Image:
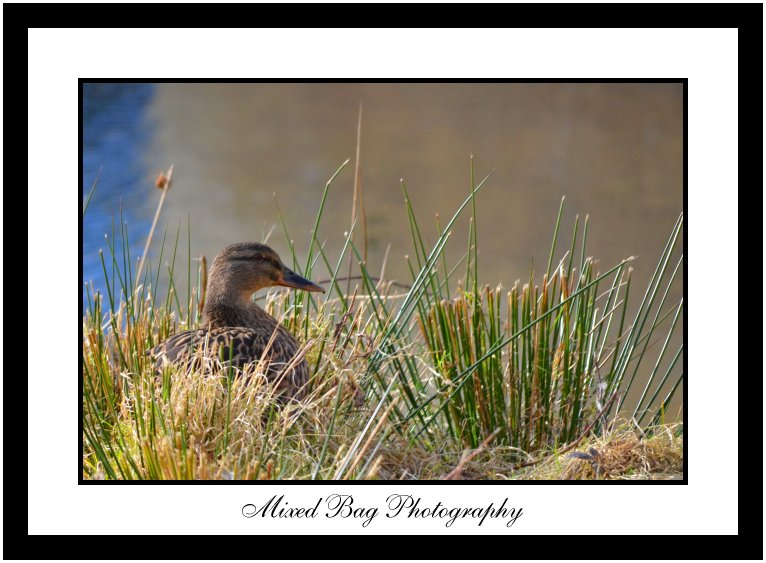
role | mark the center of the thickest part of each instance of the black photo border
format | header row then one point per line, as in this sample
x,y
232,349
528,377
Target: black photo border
x,y
746,18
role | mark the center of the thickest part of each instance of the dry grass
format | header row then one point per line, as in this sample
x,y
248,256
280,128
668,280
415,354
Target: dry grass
x,y
207,426
622,454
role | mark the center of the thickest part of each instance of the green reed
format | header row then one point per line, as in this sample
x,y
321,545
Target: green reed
x,y
543,370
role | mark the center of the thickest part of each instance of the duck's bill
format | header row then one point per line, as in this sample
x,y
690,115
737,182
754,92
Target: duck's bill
x,y
291,279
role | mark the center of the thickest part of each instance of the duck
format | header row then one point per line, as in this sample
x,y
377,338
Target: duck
x,y
234,329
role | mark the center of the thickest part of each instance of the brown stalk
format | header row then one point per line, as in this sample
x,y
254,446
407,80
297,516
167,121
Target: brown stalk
x,y
358,194
203,283
457,473
164,184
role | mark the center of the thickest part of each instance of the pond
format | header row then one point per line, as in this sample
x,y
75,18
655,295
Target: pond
x,y
614,150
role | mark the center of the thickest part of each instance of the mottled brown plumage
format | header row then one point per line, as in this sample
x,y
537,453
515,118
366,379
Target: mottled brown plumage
x,y
235,331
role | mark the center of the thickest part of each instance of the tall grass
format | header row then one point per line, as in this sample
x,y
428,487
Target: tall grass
x,y
400,375
541,372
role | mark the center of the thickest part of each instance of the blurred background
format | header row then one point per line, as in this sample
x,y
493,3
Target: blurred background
x,y
614,150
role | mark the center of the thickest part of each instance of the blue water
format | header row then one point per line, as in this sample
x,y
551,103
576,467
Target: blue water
x,y
116,130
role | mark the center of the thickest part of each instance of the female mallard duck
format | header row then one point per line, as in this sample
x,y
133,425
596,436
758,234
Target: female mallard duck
x,y
236,330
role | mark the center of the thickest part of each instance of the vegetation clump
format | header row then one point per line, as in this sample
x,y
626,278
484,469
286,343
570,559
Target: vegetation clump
x,y
439,378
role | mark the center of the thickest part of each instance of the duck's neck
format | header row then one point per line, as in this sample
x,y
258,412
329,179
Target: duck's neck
x,y
218,315
230,304
224,309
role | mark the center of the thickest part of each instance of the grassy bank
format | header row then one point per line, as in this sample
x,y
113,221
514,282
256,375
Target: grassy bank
x,y
439,377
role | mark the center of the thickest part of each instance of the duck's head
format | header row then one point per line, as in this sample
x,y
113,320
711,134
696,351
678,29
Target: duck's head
x,y
245,267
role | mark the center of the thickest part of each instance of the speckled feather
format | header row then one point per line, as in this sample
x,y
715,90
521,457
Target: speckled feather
x,y
238,347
